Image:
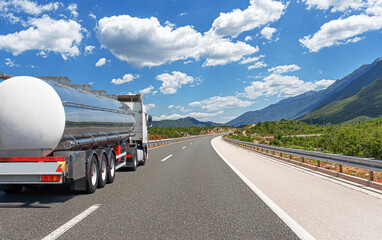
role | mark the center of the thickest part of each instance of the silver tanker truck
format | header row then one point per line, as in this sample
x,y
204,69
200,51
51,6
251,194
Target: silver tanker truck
x,y
54,132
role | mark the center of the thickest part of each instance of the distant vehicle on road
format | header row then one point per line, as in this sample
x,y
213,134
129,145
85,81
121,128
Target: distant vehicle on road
x,y
54,132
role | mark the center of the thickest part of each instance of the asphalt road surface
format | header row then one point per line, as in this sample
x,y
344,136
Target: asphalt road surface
x,y
185,191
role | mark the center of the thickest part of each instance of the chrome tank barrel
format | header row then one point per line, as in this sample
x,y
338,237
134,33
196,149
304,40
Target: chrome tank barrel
x,y
40,115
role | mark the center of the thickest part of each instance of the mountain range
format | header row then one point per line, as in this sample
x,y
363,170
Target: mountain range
x,y
183,122
337,99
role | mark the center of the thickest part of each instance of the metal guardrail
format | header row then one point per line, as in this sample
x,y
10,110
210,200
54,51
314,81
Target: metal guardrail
x,y
370,164
171,140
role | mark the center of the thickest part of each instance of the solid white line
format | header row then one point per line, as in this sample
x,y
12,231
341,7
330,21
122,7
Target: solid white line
x,y
164,159
184,147
297,228
59,231
190,143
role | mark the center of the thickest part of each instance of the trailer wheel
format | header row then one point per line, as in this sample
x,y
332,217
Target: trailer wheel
x,y
12,189
102,171
135,161
111,169
145,156
92,175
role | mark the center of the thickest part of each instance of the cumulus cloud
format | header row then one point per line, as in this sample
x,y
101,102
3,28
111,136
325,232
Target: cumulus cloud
x,y
89,49
283,86
172,82
170,106
259,12
125,79
199,115
10,63
28,7
335,5
268,32
284,69
100,62
146,90
248,38
260,64
340,31
219,103
144,42
346,29
150,106
251,59
47,35
73,10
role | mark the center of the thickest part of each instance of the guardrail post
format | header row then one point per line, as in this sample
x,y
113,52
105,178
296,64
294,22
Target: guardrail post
x,y
267,150
302,159
290,156
340,168
281,154
318,163
273,152
371,175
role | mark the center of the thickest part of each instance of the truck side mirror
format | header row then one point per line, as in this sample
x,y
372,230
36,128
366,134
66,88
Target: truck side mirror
x,y
150,120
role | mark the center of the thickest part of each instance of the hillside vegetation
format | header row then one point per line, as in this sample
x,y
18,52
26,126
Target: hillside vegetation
x,y
362,139
156,133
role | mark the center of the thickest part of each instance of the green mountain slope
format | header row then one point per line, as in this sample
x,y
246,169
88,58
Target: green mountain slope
x,y
183,122
367,102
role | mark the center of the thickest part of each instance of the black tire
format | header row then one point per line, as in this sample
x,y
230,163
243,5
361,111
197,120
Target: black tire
x,y
13,189
111,169
135,161
92,173
102,175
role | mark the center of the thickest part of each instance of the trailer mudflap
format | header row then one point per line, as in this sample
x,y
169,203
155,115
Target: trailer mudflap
x,y
75,163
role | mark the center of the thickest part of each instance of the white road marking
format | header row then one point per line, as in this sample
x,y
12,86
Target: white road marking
x,y
184,147
190,143
297,228
61,230
164,159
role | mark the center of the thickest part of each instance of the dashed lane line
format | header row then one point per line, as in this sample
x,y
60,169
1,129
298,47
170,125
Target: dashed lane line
x,y
164,159
61,230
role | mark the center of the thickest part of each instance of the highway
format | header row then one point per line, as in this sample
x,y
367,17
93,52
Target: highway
x,y
201,188
185,191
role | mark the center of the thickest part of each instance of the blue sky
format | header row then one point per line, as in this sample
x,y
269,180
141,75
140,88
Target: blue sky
x,y
212,60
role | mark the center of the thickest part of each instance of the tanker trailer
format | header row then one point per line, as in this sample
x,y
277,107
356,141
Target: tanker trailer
x,y
54,132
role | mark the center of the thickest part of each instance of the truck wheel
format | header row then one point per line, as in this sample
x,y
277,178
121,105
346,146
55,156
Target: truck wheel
x,y
92,175
13,189
111,169
145,156
135,161
102,172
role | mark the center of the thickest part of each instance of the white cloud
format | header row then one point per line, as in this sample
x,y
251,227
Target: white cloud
x,y
182,14
28,7
283,86
11,63
146,90
219,103
150,106
268,32
251,59
335,5
92,15
172,82
144,42
248,38
324,83
170,24
284,69
89,49
45,34
260,12
125,79
199,115
339,31
170,106
73,10
100,62
260,64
